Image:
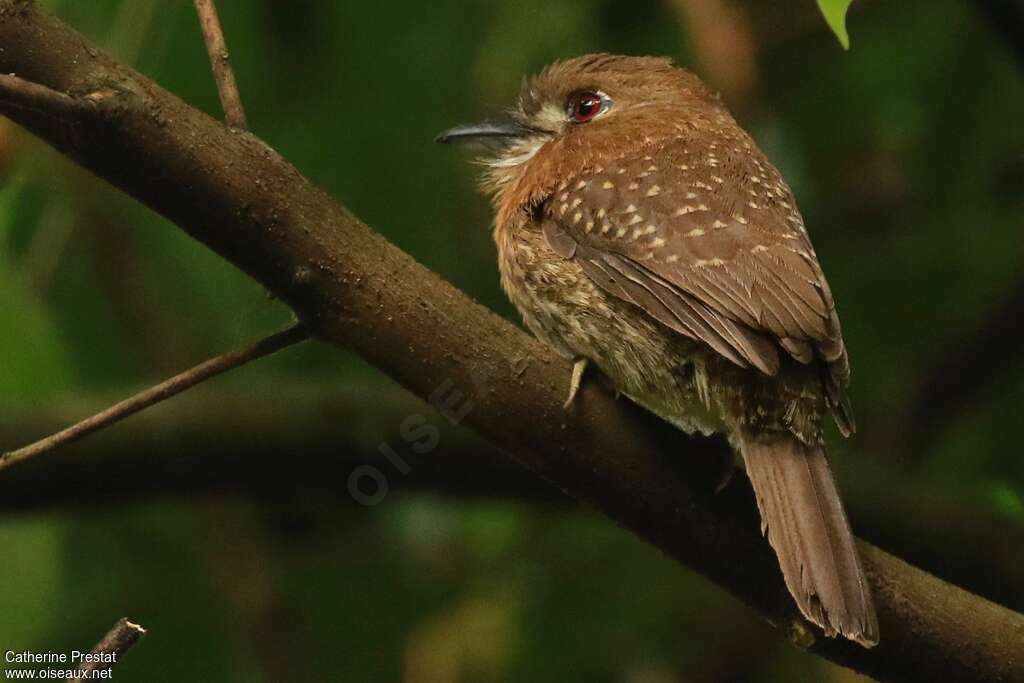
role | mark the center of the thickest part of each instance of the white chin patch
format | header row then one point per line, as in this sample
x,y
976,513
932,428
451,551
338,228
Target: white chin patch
x,y
550,118
519,155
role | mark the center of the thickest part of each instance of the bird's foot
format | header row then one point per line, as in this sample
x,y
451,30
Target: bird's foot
x,y
578,368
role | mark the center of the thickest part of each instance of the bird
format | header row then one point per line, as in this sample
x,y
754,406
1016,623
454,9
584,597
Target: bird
x,y
641,230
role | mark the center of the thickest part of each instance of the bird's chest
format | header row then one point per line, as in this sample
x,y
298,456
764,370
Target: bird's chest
x,y
567,311
557,301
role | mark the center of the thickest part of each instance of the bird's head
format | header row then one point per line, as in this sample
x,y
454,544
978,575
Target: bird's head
x,y
581,113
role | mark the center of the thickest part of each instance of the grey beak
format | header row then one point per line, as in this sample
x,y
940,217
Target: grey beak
x,y
493,134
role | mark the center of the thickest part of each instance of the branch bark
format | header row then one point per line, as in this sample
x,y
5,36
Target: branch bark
x,y
354,289
19,93
118,640
220,62
302,440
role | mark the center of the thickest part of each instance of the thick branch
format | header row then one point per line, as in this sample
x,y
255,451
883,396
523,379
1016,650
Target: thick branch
x,y
356,290
273,441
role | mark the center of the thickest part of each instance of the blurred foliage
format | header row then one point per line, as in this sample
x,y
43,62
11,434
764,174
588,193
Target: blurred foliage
x,y
908,160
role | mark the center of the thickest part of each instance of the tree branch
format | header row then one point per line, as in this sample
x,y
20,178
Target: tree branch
x,y
354,289
305,440
223,74
160,392
118,640
21,94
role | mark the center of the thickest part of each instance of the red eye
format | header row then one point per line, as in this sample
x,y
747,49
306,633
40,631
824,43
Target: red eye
x,y
584,106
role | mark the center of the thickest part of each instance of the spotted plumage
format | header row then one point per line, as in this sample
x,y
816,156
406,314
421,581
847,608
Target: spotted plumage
x,y
640,228
743,280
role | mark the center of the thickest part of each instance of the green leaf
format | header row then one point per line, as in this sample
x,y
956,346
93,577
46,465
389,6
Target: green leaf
x,y
835,15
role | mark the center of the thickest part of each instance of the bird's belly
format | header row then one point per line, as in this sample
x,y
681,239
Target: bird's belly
x,y
655,367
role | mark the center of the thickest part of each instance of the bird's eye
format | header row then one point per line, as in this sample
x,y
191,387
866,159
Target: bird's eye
x,y
588,105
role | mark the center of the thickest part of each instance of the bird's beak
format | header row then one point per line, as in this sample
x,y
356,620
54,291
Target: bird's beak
x,y
494,134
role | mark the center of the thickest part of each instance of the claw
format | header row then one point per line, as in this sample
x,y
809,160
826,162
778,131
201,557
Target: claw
x,y
578,368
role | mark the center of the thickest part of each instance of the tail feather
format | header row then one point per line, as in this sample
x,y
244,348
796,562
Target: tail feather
x,y
806,525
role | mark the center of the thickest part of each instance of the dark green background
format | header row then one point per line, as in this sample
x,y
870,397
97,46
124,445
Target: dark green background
x,y
907,157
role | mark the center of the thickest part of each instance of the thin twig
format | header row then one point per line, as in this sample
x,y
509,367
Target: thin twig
x,y
108,651
230,99
161,392
22,94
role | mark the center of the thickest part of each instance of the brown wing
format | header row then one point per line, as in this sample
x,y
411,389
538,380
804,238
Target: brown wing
x,y
707,240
